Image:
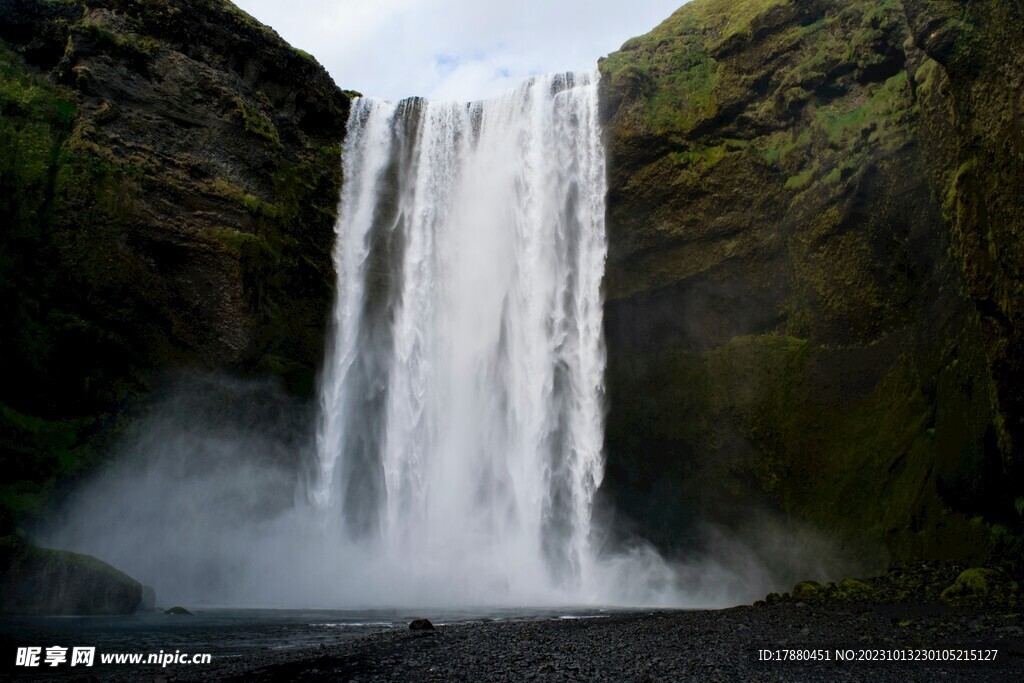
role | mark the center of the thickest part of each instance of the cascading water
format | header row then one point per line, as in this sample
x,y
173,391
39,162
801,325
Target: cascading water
x,y
461,428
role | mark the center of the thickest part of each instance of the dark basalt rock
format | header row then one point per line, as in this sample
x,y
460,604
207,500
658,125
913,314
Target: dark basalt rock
x,y
213,135
177,610
421,625
169,180
40,581
813,279
933,584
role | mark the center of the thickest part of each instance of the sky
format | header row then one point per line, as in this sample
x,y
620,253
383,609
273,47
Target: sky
x,y
455,49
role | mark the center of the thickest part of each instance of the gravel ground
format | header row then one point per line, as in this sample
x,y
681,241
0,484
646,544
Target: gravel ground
x,y
660,646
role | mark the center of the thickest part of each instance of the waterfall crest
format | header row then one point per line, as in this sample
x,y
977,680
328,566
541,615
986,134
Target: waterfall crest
x,y
461,409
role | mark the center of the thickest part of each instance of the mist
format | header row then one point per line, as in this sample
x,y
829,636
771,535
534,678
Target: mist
x,y
205,500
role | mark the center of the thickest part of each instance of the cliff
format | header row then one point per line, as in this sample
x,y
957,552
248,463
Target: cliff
x,y
815,308
814,283
169,175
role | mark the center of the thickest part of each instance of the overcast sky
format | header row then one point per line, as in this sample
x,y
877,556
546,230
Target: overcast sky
x,y
455,49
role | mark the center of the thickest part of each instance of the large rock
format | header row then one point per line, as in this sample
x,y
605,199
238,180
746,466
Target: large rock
x,y
56,582
814,275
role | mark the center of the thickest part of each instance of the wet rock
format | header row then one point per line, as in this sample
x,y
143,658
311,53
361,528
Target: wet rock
x,y
713,259
197,155
42,581
807,590
421,625
177,610
971,583
852,590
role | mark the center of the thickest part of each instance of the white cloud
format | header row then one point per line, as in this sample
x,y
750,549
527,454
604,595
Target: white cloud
x,y
455,49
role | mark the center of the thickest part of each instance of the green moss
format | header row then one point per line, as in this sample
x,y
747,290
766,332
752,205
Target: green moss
x,y
807,590
291,263
237,14
843,117
840,126
686,98
833,177
872,447
256,123
90,276
37,453
981,586
918,583
36,118
67,288
220,187
852,590
777,146
845,592
676,57
704,157
952,206
800,181
235,242
722,18
305,55
128,44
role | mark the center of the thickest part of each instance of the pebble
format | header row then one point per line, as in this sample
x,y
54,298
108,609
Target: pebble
x,y
664,646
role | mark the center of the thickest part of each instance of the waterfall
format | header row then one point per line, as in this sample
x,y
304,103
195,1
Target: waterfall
x,y
461,427
459,439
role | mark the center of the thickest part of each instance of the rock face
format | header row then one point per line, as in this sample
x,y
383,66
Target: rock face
x,y
169,175
40,581
815,294
814,276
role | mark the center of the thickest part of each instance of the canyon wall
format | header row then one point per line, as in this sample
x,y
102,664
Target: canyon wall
x,y
814,281
169,178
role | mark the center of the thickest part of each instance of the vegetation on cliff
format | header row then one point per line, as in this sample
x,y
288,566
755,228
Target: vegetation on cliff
x,y
169,174
812,297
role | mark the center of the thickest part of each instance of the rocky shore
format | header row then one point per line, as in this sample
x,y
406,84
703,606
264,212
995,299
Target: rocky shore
x,y
918,621
717,645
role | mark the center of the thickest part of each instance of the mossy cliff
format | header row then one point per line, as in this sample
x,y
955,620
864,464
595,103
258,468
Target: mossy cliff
x,y
43,581
815,303
169,174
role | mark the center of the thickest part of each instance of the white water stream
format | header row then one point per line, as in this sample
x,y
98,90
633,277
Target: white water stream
x,y
462,420
460,429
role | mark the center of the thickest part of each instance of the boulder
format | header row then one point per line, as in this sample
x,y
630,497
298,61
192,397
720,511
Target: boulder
x,y
41,581
421,625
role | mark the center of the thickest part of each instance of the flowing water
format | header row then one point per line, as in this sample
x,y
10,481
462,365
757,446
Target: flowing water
x,y
462,425
459,432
